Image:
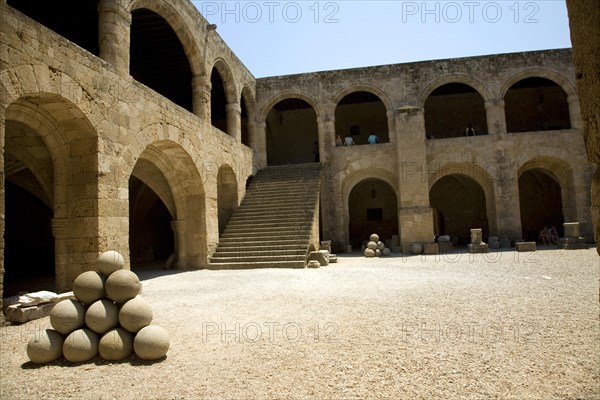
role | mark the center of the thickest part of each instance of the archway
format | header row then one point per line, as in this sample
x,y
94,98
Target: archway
x,y
541,203
459,205
292,133
451,108
218,101
151,237
360,114
536,104
372,208
227,196
158,59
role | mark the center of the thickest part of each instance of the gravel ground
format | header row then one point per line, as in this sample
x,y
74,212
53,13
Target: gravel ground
x,y
506,325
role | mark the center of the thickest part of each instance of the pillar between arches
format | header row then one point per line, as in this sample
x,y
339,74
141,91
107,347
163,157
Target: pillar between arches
x,y
114,26
201,87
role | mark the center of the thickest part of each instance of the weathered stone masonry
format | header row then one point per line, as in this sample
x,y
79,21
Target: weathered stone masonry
x,y
76,127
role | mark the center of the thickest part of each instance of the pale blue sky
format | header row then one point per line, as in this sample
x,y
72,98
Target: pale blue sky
x,y
286,37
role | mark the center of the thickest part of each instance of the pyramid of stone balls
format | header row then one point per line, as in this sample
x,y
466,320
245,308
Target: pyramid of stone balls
x,y
109,318
376,248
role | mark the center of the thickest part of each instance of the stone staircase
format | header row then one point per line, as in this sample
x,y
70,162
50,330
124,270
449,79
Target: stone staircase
x,y
276,223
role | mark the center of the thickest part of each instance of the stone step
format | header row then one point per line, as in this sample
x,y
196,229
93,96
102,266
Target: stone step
x,y
267,225
280,217
273,252
282,209
257,264
254,245
264,238
265,258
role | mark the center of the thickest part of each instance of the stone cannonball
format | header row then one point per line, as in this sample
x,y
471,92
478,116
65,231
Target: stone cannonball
x,y
109,262
369,253
151,343
135,314
372,245
386,252
380,245
416,248
45,346
116,344
102,316
67,315
374,238
88,287
81,345
122,285
377,253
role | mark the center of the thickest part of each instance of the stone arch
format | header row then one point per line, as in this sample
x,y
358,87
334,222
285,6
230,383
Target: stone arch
x,y
364,87
229,81
452,107
538,100
561,172
289,94
177,21
480,176
363,118
169,170
223,95
227,195
556,77
292,131
54,140
354,178
455,78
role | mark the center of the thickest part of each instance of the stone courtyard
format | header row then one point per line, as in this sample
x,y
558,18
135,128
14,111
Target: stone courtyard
x,y
502,325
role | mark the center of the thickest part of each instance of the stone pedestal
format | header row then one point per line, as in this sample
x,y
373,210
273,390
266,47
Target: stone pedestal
x,y
572,240
477,245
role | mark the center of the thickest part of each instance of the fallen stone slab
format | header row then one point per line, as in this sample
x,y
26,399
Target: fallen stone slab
x,y
19,314
525,246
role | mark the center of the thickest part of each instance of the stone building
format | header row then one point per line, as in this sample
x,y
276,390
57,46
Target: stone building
x,y
134,127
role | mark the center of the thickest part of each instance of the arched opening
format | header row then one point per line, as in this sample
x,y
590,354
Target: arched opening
x,y
361,114
28,240
218,101
227,196
372,208
158,59
244,122
151,238
292,133
540,201
451,108
536,104
459,205
76,21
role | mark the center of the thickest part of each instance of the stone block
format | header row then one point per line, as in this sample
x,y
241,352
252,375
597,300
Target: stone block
x,y
18,314
479,248
326,245
571,229
332,259
504,242
476,236
525,246
444,239
313,264
431,248
445,247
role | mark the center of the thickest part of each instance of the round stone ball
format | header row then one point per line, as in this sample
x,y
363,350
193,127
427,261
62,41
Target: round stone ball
x,y
109,262
102,316
380,245
67,315
122,285
372,245
377,253
151,343
116,344
369,253
81,345
386,252
135,314
416,248
88,287
374,238
45,346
